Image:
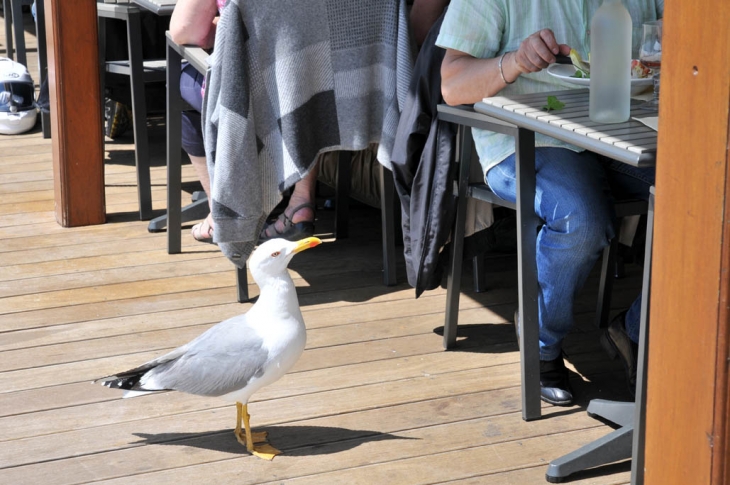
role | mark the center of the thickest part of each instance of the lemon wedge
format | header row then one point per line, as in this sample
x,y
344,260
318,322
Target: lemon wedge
x,y
579,63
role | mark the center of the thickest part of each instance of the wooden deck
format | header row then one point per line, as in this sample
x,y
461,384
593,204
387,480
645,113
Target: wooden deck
x,y
373,400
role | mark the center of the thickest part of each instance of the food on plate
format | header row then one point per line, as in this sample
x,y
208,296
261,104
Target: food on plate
x,y
583,68
639,70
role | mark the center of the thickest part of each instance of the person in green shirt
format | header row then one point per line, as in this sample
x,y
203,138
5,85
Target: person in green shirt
x,y
504,46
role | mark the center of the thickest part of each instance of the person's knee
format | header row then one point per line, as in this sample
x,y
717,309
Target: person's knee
x,y
593,229
587,228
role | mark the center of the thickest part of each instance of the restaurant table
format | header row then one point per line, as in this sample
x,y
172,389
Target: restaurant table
x,y
632,143
139,71
160,7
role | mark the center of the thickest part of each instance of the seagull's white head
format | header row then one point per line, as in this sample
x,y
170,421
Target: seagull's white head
x,y
271,258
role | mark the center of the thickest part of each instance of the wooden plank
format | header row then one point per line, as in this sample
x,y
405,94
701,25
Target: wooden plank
x,y
112,276
24,272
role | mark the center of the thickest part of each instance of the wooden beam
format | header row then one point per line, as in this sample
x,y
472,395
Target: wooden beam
x,y
687,397
76,120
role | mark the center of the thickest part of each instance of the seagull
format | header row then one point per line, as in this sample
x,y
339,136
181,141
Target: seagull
x,y
236,357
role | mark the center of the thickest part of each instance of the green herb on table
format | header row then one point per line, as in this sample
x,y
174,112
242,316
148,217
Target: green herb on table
x,y
553,104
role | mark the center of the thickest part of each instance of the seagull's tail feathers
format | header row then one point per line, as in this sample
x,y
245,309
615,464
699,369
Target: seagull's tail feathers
x,y
133,381
129,381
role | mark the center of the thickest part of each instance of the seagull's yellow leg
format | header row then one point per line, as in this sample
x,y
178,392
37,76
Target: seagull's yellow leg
x,y
255,442
239,436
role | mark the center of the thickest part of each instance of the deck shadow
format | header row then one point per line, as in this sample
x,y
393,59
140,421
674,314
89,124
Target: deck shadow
x,y
483,338
291,440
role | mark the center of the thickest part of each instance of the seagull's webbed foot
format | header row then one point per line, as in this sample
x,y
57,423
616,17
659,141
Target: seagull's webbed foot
x,y
255,443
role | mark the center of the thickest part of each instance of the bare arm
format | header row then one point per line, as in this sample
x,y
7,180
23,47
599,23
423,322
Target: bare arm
x,y
192,22
423,15
466,79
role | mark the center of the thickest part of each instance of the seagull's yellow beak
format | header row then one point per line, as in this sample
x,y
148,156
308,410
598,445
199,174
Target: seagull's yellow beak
x,y
307,243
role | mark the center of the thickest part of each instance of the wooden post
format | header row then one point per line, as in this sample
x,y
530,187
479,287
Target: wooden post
x,y
687,434
76,121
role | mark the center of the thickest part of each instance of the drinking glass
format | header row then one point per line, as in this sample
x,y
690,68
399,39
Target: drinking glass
x,y
650,55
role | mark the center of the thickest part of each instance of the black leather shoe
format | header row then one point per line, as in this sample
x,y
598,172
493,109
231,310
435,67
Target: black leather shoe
x,y
617,344
554,383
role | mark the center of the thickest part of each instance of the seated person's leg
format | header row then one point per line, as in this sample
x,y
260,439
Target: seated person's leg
x,y
192,142
572,197
297,220
622,336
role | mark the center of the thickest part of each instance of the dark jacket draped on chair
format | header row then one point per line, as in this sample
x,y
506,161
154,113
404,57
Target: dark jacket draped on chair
x,y
422,167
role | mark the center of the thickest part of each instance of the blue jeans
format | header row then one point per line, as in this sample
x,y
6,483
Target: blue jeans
x,y
574,199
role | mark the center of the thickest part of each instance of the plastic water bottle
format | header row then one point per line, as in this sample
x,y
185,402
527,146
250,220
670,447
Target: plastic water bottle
x,y
610,93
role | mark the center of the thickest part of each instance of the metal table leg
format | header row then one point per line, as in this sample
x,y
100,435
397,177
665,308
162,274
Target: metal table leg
x,y
174,171
139,113
527,223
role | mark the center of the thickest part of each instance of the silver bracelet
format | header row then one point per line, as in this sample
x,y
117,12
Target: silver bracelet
x,y
501,72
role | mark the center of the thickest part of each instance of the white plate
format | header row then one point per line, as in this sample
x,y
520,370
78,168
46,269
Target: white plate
x,y
565,73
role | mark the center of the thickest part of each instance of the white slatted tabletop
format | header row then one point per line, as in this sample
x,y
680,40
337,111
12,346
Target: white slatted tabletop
x,y
631,142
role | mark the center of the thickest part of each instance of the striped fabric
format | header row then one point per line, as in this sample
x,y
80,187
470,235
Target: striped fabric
x,y
289,80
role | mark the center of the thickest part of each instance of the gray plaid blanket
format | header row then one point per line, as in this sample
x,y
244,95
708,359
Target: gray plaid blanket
x,y
290,79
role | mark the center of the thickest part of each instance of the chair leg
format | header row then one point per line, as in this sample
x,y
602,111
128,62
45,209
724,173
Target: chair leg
x,y
8,15
40,29
478,265
605,287
453,288
387,211
242,284
19,31
139,115
342,195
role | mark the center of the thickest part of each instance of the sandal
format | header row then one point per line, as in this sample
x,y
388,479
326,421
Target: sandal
x,y
292,231
202,228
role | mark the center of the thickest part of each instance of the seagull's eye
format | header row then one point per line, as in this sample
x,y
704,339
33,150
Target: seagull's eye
x,y
273,255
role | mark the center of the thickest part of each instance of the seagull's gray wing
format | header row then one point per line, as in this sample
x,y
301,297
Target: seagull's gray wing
x,y
221,360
